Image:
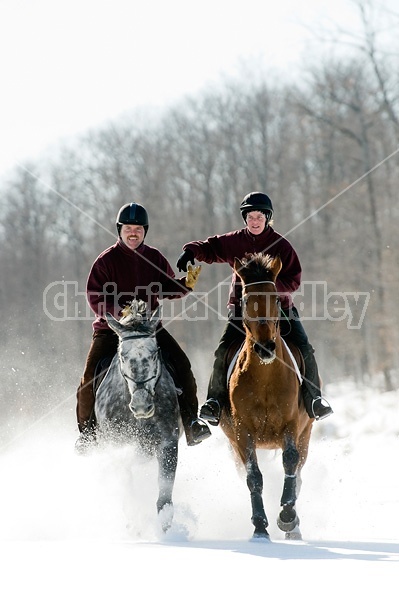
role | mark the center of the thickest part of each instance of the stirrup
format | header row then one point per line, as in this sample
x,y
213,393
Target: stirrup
x,y
197,432
321,408
211,411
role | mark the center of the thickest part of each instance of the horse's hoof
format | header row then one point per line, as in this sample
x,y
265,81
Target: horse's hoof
x,y
260,536
165,516
288,519
260,533
295,535
287,527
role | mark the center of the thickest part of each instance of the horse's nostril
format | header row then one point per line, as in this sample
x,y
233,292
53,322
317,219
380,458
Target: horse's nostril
x,y
142,411
266,349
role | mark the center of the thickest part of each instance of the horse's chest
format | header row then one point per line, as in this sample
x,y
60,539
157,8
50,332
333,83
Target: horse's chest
x,y
260,415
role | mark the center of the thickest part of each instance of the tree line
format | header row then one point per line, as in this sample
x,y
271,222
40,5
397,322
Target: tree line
x,y
324,150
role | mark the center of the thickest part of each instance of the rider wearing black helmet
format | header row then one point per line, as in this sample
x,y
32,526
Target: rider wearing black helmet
x,y
258,236
132,214
131,269
257,201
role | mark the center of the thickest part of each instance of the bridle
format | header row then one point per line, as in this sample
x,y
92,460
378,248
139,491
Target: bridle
x,y
260,320
245,295
141,384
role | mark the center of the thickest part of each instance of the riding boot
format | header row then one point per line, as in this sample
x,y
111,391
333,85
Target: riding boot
x,y
292,329
104,343
217,396
87,438
195,429
217,392
316,406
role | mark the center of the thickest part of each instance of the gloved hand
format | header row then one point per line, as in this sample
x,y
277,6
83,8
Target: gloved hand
x,y
192,276
184,258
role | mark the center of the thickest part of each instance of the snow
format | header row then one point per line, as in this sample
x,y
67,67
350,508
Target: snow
x,y
86,527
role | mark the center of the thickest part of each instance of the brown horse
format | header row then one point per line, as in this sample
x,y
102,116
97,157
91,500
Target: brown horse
x,y
266,408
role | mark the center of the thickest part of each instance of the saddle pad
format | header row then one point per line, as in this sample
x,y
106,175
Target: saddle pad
x,y
232,363
297,371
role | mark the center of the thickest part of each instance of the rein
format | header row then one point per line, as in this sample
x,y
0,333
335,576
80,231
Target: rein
x,y
258,282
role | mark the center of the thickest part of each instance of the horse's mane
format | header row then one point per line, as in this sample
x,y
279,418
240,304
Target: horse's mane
x,y
135,316
257,267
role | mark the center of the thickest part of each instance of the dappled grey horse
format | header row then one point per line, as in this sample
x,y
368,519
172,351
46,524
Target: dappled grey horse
x,y
137,399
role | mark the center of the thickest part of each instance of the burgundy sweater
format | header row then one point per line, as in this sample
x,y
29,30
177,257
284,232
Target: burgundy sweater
x,y
119,274
224,248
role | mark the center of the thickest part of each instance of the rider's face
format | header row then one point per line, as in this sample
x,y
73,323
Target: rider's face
x,y
132,235
256,222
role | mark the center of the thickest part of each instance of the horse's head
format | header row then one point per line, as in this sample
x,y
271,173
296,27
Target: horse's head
x,y
139,356
260,301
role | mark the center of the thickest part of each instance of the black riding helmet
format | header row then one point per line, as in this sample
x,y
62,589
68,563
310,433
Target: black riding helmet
x,y
256,201
132,214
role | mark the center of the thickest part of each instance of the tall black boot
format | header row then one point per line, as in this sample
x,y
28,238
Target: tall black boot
x,y
217,393
87,439
217,396
195,429
316,406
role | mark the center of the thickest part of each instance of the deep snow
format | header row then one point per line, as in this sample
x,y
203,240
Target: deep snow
x,y
73,527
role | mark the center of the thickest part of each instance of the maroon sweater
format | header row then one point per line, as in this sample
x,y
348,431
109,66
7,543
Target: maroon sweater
x,y
224,248
119,274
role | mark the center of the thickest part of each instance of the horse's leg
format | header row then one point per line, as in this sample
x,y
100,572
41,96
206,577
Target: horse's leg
x,y
255,486
303,446
288,519
167,461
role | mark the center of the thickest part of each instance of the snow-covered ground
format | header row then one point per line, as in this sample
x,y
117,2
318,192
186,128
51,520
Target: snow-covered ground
x,y
86,527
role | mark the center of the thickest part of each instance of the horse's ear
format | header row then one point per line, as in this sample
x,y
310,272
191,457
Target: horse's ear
x,y
114,324
237,265
276,265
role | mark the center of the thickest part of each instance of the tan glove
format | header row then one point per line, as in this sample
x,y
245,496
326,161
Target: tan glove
x,y
126,310
192,276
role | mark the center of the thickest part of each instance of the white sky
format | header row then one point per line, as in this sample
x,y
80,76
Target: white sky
x,y
67,65
63,517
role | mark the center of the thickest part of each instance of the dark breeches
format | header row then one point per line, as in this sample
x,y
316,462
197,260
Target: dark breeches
x,y
292,330
104,344
173,353
217,387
